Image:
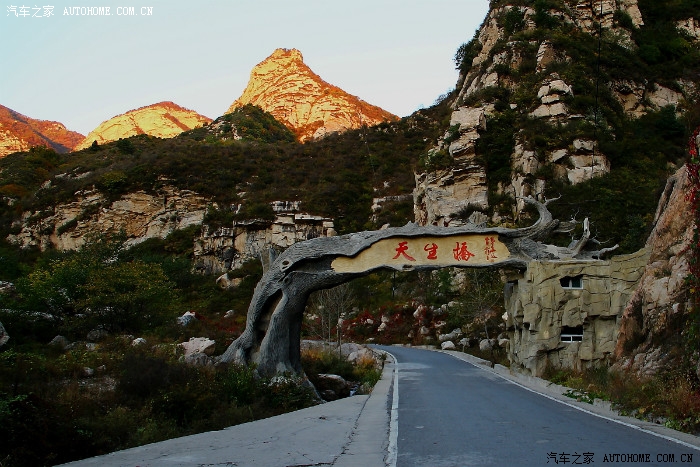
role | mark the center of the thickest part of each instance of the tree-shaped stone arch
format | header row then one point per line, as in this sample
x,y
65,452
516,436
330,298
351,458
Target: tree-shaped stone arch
x,y
272,336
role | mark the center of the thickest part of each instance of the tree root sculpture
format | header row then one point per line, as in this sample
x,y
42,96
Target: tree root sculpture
x,y
272,337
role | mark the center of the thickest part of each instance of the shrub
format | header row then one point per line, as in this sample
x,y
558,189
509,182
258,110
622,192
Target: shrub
x,y
125,146
466,53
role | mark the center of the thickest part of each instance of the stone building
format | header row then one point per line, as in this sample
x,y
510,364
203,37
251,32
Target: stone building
x,y
566,314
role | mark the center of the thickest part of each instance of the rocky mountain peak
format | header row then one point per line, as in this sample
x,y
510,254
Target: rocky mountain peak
x,y
282,55
286,87
164,120
19,132
505,75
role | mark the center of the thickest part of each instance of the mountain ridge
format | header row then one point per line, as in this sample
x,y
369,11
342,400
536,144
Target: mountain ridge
x,y
283,82
163,119
19,132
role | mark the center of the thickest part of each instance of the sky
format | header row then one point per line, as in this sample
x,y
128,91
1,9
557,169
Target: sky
x,y
81,70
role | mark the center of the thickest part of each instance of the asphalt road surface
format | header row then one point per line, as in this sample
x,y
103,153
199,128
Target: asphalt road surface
x,y
452,413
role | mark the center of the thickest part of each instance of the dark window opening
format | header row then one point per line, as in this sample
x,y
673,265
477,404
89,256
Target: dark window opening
x,y
572,334
572,282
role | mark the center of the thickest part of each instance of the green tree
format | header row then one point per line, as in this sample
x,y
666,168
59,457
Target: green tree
x,y
95,287
126,296
482,294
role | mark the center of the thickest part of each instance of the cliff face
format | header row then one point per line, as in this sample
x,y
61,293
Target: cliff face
x,y
649,339
19,132
164,120
284,86
139,214
528,83
509,74
224,249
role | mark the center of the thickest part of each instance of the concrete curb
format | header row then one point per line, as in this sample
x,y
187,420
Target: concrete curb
x,y
370,437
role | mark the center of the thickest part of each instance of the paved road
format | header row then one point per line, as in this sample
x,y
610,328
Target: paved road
x,y
452,413
448,413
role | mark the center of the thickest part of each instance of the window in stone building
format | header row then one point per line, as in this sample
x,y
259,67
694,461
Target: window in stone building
x,y
572,282
571,333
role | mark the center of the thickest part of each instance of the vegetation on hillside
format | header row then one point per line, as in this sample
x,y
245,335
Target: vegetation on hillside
x,y
641,151
669,398
335,177
248,123
103,393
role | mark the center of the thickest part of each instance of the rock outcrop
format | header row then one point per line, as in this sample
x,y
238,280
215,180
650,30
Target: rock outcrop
x,y
140,215
221,250
164,120
446,196
440,196
660,303
285,86
19,133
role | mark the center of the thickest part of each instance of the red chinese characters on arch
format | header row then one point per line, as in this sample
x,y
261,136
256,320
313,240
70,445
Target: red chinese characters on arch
x,y
490,249
462,252
401,251
405,253
432,249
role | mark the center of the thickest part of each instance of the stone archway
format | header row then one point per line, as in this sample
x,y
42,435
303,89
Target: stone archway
x,y
272,336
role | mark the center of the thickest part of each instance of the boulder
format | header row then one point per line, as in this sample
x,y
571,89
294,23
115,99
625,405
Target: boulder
x,y
230,314
4,336
138,342
6,287
60,342
362,354
187,318
328,395
198,359
198,345
485,345
448,345
334,383
420,312
455,334
97,335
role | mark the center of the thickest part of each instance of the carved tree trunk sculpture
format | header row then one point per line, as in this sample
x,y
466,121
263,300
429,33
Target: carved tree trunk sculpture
x,y
271,339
